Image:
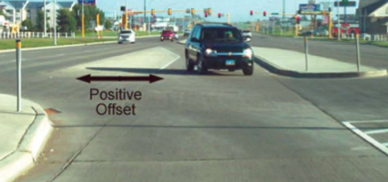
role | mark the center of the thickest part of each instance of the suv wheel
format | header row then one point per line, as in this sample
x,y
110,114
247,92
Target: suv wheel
x,y
248,70
189,64
202,69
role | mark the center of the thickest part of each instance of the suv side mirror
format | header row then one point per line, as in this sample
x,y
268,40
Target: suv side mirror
x,y
193,39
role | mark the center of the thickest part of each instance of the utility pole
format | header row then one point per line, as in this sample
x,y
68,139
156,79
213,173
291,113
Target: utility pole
x,y
55,22
45,19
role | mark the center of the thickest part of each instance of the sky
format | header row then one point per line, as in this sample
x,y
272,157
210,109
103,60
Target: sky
x,y
238,9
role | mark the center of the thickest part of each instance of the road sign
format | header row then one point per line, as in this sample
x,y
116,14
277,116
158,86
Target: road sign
x,y
348,4
274,14
309,8
92,2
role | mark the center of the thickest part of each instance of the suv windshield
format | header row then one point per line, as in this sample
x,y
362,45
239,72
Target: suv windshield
x,y
220,34
126,31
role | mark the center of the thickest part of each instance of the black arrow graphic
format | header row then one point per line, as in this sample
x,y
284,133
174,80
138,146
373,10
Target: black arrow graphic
x,y
89,78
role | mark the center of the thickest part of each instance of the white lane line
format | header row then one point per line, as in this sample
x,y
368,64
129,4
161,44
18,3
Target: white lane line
x,y
371,121
385,144
369,132
168,64
366,137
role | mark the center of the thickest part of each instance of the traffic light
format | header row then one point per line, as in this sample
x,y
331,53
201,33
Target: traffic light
x,y
329,9
192,11
205,14
251,12
297,20
122,8
264,13
219,15
169,11
209,11
152,12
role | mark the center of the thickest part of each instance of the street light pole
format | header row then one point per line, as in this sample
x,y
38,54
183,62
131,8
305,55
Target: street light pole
x,y
145,8
55,22
284,15
45,19
338,21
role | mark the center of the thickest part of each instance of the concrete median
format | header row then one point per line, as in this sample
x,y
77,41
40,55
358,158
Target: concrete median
x,y
293,64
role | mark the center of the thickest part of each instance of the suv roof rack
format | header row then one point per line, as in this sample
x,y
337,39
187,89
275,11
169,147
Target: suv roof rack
x,y
218,23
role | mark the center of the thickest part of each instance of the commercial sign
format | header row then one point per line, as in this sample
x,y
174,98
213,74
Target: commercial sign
x,y
91,2
309,8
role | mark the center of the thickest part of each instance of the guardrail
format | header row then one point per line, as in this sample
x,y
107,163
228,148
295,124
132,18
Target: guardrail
x,y
9,35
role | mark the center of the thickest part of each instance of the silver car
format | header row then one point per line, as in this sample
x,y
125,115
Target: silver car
x,y
126,36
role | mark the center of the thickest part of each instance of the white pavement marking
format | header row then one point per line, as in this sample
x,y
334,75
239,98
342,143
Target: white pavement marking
x,y
371,121
369,132
360,148
168,64
366,137
385,144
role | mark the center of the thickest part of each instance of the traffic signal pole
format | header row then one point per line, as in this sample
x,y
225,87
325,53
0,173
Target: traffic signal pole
x,y
330,27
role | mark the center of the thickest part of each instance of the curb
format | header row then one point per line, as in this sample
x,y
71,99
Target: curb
x,y
73,45
274,69
182,43
33,141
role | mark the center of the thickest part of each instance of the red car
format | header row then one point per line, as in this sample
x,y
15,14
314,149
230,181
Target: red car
x,y
167,35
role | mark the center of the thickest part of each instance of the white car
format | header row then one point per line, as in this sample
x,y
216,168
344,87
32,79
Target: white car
x,y
127,36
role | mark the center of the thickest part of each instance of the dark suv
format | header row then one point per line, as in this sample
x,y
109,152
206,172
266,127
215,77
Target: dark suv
x,y
218,46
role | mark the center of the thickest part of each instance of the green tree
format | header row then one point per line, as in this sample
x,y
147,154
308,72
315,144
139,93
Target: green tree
x,y
28,23
40,21
66,21
108,24
90,15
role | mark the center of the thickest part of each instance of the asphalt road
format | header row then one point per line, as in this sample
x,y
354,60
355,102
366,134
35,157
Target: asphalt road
x,y
219,127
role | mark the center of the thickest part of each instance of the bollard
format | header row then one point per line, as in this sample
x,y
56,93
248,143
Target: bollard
x,y
19,73
358,52
306,50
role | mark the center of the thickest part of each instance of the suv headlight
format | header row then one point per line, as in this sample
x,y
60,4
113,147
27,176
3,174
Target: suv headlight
x,y
210,52
248,53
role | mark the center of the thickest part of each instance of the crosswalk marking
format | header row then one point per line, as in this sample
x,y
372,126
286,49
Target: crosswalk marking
x,y
366,137
369,132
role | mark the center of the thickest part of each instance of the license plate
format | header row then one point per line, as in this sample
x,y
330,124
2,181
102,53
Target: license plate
x,y
230,63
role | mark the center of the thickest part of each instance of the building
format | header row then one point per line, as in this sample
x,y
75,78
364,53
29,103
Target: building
x,y
373,16
34,7
14,10
19,10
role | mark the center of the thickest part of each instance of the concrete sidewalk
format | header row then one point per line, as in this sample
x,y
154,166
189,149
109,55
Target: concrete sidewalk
x,y
22,136
292,63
